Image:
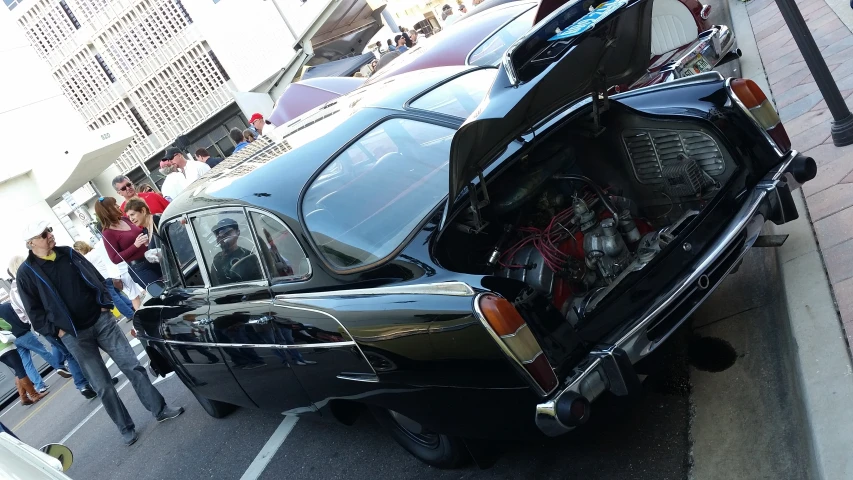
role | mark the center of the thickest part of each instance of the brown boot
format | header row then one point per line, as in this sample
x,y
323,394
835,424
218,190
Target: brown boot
x,y
34,395
22,392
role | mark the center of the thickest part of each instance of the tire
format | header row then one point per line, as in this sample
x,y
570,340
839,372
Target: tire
x,y
435,449
214,408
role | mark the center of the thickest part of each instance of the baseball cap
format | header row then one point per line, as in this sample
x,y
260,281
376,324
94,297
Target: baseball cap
x,y
221,225
35,229
256,116
171,152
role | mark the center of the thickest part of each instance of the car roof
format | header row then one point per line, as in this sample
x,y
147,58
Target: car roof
x,y
452,45
271,172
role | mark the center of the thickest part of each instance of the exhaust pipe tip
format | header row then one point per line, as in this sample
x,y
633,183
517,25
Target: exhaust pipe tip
x,y
573,410
803,168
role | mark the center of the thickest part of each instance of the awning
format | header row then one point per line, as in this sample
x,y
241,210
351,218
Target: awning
x,y
88,159
344,67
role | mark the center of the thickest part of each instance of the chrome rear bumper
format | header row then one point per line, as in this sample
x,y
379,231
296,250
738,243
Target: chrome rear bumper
x,y
604,369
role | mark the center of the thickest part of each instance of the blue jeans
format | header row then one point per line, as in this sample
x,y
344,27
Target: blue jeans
x,y
124,306
27,345
62,355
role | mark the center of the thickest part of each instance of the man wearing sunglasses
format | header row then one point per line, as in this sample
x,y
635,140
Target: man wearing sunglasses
x,y
65,297
124,187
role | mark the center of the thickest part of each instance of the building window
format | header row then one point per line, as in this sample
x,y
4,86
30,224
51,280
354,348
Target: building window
x,y
105,68
12,3
69,14
183,11
218,65
138,117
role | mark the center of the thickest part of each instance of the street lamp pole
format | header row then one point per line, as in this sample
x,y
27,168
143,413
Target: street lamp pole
x,y
842,124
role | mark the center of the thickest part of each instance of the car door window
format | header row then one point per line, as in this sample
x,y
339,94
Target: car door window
x,y
182,265
491,51
280,251
226,244
363,214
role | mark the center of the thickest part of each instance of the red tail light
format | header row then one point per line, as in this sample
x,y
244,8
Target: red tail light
x,y
761,110
515,337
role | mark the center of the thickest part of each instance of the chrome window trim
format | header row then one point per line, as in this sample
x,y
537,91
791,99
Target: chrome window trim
x,y
196,249
455,289
250,283
293,279
493,33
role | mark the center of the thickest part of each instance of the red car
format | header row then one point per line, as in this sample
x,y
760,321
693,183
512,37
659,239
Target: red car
x,y
682,39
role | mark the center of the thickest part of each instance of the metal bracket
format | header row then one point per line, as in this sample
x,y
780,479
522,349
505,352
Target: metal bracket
x,y
476,204
770,241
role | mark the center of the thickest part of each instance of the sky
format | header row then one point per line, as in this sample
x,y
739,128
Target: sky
x,y
31,103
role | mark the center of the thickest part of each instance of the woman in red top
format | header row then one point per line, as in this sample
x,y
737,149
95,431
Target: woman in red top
x,y
126,242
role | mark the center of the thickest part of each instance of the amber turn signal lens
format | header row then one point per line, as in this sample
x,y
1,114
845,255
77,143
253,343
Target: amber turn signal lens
x,y
517,338
501,315
762,110
749,93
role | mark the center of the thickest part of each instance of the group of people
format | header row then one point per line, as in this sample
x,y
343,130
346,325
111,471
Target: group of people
x,y
402,42
449,17
67,294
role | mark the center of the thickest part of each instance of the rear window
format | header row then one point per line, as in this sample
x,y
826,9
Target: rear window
x,y
491,51
365,203
460,96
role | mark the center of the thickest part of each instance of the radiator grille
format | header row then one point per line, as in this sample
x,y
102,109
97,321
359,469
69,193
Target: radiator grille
x,y
652,150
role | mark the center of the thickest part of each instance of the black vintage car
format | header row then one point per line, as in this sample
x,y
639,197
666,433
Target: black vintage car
x,y
471,253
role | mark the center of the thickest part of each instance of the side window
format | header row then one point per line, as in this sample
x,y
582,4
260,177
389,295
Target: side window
x,y
226,244
183,265
280,251
365,211
491,51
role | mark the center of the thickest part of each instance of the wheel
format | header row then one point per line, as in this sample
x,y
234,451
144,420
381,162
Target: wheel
x,y
214,408
436,449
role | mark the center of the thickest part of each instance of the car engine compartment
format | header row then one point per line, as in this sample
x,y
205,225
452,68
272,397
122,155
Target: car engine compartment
x,y
576,216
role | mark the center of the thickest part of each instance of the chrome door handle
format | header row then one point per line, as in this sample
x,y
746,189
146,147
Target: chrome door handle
x,y
260,321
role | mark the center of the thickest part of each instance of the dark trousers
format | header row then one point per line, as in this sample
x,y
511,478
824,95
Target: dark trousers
x,y
107,336
144,273
13,361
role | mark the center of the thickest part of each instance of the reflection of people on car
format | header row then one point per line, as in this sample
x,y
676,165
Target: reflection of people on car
x,y
234,263
182,330
282,266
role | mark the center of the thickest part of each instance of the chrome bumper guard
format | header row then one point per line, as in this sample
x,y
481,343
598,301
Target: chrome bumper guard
x,y
609,367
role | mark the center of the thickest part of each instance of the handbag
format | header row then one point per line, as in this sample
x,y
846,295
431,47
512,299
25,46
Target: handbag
x,y
7,337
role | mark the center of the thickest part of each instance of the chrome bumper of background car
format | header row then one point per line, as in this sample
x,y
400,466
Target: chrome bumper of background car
x,y
714,46
609,367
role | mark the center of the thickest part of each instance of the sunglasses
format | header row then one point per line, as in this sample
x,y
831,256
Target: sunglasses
x,y
125,187
45,233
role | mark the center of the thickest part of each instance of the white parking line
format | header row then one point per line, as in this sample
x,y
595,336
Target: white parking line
x,y
265,455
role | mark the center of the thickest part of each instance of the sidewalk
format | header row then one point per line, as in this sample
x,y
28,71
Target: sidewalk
x,y
829,196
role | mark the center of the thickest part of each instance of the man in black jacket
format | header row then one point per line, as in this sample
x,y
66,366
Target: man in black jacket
x,y
65,297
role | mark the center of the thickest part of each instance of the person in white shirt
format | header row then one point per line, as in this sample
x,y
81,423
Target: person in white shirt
x,y
187,172
449,17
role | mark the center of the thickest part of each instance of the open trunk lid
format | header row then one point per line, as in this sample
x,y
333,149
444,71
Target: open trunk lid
x,y
568,55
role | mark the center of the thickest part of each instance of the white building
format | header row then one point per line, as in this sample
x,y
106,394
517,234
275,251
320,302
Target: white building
x,y
116,82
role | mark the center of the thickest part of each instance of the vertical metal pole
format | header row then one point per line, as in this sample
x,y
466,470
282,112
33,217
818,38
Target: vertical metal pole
x,y
842,125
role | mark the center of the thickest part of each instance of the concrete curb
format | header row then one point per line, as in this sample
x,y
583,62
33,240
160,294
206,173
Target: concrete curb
x,y
818,350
